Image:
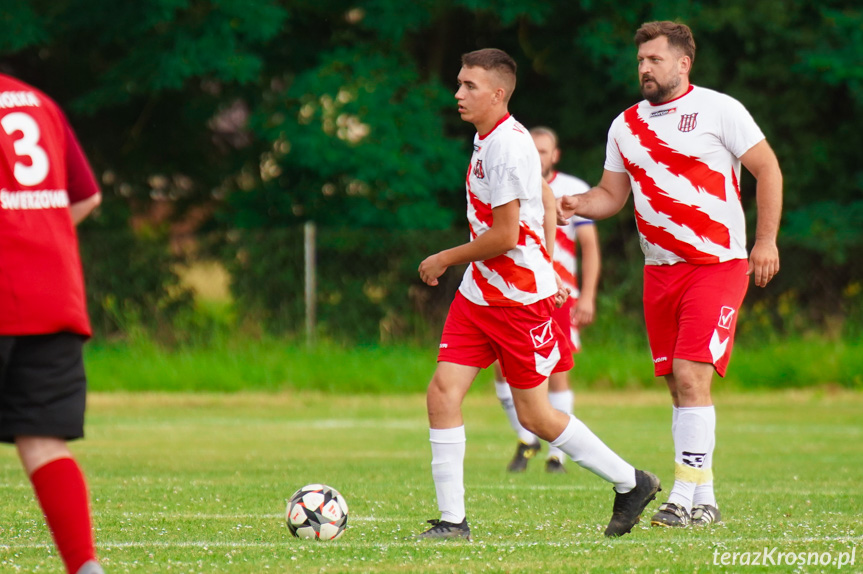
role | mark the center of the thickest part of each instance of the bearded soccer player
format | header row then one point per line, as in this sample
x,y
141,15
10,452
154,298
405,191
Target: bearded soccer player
x,y
503,308
47,188
679,151
578,310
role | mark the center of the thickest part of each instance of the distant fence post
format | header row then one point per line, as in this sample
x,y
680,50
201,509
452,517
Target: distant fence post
x,y
310,272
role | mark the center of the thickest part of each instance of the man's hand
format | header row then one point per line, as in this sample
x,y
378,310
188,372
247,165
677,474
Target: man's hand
x,y
431,268
562,292
583,312
566,206
763,262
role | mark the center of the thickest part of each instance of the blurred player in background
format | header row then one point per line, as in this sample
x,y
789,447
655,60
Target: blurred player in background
x,y
679,151
47,188
503,309
576,312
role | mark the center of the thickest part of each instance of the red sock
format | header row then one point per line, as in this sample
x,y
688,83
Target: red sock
x,y
62,493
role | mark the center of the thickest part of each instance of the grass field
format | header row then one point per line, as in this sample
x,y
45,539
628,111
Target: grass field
x,y
198,483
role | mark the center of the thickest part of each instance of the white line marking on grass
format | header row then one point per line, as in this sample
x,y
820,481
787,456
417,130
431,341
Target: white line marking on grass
x,y
403,542
364,423
203,516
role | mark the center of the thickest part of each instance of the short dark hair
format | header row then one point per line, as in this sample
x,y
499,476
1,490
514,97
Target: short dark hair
x,y
544,131
679,35
495,60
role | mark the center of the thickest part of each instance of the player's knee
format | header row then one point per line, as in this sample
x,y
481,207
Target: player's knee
x,y
534,422
690,392
36,451
440,395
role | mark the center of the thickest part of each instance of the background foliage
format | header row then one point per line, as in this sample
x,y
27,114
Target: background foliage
x,y
238,120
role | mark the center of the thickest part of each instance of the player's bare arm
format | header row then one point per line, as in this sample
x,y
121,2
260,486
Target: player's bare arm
x,y
500,238
549,225
764,257
584,311
600,202
81,209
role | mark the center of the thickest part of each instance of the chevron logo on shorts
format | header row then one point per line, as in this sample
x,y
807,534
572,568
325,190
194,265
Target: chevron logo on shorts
x,y
544,365
718,345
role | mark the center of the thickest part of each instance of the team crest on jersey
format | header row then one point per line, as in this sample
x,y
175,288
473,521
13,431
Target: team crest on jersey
x,y
478,171
687,122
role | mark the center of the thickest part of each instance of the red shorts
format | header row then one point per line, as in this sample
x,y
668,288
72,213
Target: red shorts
x,y
563,317
691,312
526,340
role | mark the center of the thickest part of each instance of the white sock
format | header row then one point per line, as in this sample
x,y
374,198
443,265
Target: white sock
x,y
675,413
562,401
588,451
448,471
693,435
504,395
704,492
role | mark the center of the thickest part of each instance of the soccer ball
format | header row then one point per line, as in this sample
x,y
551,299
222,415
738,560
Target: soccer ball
x,y
318,512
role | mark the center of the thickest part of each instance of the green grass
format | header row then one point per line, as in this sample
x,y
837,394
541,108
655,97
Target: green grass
x,y
198,482
233,363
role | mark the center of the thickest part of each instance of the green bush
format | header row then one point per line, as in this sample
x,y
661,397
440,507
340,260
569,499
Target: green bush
x,y
130,279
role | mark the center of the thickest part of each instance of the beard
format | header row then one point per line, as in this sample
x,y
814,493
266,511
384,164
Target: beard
x,y
660,93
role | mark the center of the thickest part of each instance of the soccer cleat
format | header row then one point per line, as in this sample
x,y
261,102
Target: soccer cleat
x,y
554,466
523,453
91,567
629,506
705,515
442,529
670,515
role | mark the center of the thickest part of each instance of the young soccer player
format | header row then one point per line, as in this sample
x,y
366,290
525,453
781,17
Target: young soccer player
x,y
503,309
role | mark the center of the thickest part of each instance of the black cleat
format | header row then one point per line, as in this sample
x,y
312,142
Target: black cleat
x,y
441,529
629,506
705,515
670,515
523,453
554,466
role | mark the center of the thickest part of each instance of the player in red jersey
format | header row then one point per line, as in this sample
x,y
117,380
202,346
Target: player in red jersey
x,y
680,152
577,311
503,309
46,187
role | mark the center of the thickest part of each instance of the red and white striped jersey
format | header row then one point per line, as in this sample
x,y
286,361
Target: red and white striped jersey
x,y
683,162
565,258
504,167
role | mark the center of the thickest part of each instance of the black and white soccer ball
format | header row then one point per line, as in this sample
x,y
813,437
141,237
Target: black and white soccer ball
x,y
318,512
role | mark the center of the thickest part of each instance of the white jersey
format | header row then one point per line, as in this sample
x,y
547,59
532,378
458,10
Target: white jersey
x,y
683,162
504,167
565,259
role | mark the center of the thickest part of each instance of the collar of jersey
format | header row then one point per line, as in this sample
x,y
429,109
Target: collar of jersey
x,y
500,121
674,99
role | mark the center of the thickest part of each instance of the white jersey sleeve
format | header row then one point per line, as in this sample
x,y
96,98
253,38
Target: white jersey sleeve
x,y
613,159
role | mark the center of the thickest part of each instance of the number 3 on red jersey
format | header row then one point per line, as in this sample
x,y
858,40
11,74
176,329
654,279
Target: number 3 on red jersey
x,y
27,146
